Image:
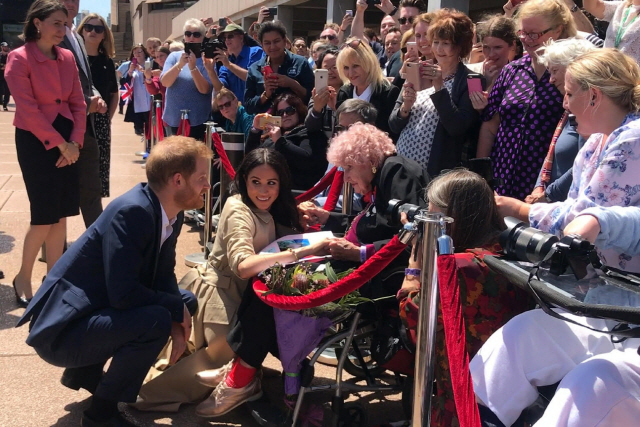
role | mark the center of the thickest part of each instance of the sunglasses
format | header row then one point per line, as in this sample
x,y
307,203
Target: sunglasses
x,y
353,44
223,37
403,21
225,105
290,110
328,36
339,128
99,29
196,34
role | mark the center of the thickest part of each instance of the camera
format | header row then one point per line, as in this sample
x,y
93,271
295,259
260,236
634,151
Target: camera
x,y
396,207
523,243
209,48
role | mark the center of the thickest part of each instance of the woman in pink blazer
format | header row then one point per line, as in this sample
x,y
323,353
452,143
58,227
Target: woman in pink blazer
x,y
50,122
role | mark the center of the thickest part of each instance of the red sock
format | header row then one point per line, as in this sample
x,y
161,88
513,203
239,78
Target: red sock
x,y
240,375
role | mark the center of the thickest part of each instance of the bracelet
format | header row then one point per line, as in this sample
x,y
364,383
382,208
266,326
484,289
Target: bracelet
x,y
363,253
412,272
394,11
575,8
295,254
193,69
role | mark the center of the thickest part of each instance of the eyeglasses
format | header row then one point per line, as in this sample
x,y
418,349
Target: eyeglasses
x,y
532,36
353,44
328,36
290,110
196,34
403,20
99,29
223,37
225,105
339,128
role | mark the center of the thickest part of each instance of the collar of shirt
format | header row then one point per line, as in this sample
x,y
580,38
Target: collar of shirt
x,y
243,54
76,47
366,95
167,226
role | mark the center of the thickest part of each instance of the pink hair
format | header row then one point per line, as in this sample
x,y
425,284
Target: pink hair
x,y
361,144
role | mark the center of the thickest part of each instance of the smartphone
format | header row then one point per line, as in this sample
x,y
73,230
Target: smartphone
x,y
193,47
413,75
222,22
268,119
134,61
148,64
267,71
372,2
412,47
350,12
322,78
273,11
474,83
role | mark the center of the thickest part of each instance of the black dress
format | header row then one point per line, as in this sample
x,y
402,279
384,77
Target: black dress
x,y
104,79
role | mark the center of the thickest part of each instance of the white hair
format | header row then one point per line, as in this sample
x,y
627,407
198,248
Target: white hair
x,y
563,52
195,23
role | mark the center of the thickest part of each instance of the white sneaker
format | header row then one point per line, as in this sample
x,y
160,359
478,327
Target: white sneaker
x,y
213,377
224,399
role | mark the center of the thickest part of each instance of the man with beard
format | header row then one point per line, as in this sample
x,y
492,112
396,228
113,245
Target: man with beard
x,y
114,293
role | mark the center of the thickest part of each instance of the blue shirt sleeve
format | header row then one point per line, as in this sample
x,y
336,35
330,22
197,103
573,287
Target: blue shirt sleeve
x,y
253,90
170,62
619,228
223,74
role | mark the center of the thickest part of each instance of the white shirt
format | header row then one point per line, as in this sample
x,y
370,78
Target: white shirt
x,y
167,226
76,47
366,95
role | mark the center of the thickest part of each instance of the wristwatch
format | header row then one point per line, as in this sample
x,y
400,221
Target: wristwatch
x,y
394,11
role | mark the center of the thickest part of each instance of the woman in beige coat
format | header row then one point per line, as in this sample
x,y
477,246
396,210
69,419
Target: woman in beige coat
x,y
262,209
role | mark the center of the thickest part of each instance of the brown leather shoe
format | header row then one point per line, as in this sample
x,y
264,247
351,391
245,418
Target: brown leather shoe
x,y
224,399
213,377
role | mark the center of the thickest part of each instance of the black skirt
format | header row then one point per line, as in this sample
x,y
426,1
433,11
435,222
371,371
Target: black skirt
x,y
53,192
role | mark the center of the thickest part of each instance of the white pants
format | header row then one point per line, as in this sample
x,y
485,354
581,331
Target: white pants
x,y
600,380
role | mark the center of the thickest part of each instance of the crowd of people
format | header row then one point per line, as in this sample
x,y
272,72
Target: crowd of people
x,y
552,100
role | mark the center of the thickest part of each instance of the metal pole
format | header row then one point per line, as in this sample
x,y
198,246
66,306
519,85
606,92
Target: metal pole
x,y
158,104
432,226
347,198
200,258
233,145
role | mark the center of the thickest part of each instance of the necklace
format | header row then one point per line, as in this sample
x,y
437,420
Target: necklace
x,y
623,26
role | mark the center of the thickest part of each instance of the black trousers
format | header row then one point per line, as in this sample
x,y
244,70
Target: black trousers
x,y
133,338
197,132
4,90
89,178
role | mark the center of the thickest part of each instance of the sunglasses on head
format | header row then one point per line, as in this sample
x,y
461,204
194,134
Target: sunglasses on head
x,y
290,110
196,34
99,29
225,105
403,21
328,36
353,44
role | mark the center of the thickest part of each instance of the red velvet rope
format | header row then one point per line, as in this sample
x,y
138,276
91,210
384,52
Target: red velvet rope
x,y
226,164
456,341
159,124
319,187
353,281
184,128
335,192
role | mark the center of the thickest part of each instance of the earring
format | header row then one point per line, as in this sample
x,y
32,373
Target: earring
x,y
592,103
374,169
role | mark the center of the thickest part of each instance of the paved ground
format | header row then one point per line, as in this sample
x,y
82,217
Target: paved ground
x,y
31,394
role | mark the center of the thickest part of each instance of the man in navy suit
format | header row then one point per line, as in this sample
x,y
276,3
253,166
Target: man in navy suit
x,y
114,293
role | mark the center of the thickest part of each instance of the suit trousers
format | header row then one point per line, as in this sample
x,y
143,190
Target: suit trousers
x,y
4,90
133,338
89,176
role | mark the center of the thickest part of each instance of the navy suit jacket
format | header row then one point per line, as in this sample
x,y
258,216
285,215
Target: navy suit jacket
x,y
117,263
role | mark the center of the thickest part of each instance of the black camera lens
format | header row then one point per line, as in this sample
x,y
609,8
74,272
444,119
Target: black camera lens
x,y
396,207
525,243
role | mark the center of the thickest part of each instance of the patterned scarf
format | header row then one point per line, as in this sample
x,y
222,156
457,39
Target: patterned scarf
x,y
547,166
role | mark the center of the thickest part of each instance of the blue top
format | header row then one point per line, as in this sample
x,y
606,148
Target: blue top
x,y
567,146
243,122
184,95
619,228
294,66
124,68
141,98
248,55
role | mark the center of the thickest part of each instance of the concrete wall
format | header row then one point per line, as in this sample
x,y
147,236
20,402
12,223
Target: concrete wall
x,y
151,24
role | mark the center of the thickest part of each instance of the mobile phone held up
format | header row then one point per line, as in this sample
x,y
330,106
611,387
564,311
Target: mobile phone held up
x,y
196,48
413,75
273,11
474,83
267,71
134,61
222,23
275,121
372,2
321,76
350,12
211,46
412,47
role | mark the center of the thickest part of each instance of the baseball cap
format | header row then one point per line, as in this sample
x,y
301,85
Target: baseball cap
x,y
4,44
231,27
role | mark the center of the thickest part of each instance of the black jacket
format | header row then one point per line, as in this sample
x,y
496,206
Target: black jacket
x,y
457,131
306,154
383,99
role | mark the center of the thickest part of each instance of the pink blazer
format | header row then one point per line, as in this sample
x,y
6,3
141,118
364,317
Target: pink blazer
x,y
43,88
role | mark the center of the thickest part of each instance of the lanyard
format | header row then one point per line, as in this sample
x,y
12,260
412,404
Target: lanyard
x,y
623,27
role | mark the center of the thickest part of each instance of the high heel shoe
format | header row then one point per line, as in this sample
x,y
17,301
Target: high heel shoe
x,y
21,301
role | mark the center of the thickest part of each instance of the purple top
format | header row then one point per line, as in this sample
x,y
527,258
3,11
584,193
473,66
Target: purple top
x,y
530,110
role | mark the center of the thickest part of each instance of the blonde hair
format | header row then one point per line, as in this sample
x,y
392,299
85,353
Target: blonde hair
x,y
554,12
405,39
356,51
107,45
176,46
614,73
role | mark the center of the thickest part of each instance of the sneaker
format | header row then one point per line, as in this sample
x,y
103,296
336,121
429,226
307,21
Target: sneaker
x,y
213,377
224,399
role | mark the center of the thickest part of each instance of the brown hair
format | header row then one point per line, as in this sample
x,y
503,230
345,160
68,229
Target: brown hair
x,y
455,26
40,9
221,94
467,198
175,154
294,101
141,46
498,26
418,4
335,27
427,18
107,44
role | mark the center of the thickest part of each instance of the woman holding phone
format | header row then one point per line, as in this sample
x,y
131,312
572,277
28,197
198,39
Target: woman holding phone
x,y
139,104
436,123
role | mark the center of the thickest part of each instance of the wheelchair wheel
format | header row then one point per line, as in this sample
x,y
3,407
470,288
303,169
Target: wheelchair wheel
x,y
353,366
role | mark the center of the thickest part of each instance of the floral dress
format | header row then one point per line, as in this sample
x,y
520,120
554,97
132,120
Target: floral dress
x,y
606,172
530,110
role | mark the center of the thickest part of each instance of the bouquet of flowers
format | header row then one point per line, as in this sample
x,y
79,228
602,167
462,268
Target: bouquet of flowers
x,y
299,332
